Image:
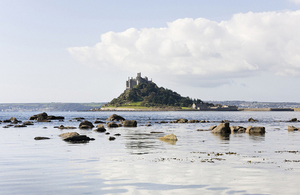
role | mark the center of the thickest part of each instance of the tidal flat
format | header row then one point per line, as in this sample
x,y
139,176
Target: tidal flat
x,y
137,162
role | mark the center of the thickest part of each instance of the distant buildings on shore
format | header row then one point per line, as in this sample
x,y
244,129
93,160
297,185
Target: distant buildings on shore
x,y
138,80
217,107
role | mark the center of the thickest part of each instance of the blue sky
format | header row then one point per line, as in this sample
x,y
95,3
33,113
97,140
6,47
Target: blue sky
x,y
83,51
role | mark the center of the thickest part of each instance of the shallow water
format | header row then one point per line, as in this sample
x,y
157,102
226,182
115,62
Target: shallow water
x,y
139,163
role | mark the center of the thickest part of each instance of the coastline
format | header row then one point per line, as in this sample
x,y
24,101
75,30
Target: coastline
x,y
176,109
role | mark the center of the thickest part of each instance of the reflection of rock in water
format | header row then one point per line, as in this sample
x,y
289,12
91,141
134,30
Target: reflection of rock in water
x,y
257,137
141,143
222,136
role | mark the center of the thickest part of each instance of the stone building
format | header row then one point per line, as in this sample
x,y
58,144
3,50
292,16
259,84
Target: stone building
x,y
139,79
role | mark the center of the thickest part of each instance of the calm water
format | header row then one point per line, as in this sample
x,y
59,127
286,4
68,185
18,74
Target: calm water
x,y
139,163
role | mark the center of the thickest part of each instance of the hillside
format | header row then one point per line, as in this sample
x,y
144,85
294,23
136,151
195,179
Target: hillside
x,y
150,95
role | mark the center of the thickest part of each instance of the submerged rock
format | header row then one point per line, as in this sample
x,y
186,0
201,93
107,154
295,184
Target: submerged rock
x,y
63,127
293,120
171,137
79,139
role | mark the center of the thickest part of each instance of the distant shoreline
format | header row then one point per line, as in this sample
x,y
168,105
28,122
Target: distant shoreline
x,y
194,110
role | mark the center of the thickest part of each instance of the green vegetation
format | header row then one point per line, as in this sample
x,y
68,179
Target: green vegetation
x,y
150,95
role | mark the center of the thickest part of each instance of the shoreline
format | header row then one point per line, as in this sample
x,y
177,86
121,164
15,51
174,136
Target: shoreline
x,y
194,110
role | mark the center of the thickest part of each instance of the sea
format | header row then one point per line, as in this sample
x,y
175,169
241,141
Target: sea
x,y
138,162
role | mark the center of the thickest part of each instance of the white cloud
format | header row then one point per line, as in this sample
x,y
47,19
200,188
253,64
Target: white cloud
x,y
295,1
247,44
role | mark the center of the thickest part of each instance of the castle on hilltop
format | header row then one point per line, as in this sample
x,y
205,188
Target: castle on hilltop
x,y
133,82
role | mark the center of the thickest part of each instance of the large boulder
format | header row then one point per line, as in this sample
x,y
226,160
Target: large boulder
x,y
237,129
130,123
115,117
86,125
222,128
255,130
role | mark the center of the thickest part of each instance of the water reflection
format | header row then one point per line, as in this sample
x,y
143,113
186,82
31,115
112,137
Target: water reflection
x,y
257,137
225,136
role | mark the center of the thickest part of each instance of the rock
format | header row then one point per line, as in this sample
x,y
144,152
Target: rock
x,y
171,137
156,132
115,117
78,139
181,120
17,126
129,123
100,128
86,125
252,120
51,117
222,128
112,125
163,122
148,125
237,129
212,127
97,122
193,121
292,128
79,118
117,134
203,130
6,121
111,138
255,130
107,133
42,117
41,138
67,135
28,123
293,120
14,120
63,127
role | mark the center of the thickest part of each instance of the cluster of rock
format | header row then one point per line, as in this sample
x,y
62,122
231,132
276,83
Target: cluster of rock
x,y
224,128
43,117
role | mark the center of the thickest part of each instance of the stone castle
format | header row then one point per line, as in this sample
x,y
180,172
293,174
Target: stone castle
x,y
133,82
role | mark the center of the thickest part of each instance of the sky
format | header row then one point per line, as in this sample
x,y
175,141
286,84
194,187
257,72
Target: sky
x,y
84,51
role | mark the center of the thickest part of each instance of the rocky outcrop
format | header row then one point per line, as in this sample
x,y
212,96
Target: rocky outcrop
x,y
51,117
115,117
42,117
193,121
129,123
255,130
86,125
222,128
237,129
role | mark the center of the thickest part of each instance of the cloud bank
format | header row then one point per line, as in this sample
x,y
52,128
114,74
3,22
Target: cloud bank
x,y
199,49
295,1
